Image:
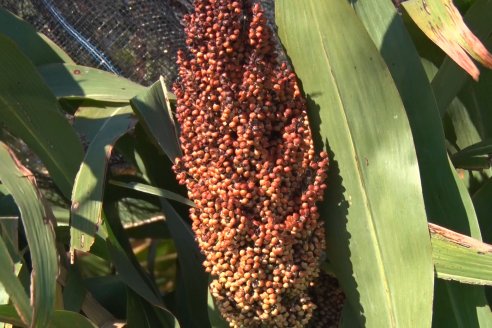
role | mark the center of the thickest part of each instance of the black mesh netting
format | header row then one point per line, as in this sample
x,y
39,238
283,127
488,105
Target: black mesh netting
x,y
136,39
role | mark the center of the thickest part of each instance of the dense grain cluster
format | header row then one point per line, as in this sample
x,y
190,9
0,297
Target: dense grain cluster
x,y
329,299
250,167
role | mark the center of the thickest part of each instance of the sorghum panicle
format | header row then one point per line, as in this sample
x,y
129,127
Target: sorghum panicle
x,y
249,166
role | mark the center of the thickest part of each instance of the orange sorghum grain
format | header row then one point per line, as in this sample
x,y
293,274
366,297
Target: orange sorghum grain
x,y
249,166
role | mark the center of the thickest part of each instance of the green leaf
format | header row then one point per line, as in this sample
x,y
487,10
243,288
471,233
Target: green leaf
x,y
131,276
70,81
451,78
483,206
477,99
441,195
13,287
470,308
63,319
38,225
125,261
460,258
376,226
88,190
441,21
348,318
8,314
31,112
152,108
74,291
142,187
142,314
36,46
452,208
88,120
194,278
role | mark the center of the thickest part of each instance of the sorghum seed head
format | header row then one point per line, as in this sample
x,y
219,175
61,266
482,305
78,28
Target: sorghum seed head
x,y
249,165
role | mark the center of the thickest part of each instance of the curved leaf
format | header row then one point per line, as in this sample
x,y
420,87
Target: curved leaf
x,y
152,107
31,112
441,21
451,78
88,191
375,217
39,231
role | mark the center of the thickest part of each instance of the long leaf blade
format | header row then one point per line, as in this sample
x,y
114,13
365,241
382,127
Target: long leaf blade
x,y
40,235
444,204
342,72
88,191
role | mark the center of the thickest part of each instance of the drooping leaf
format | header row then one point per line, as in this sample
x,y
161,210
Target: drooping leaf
x,y
88,190
38,226
156,117
383,243
451,78
71,81
30,111
460,258
441,21
36,46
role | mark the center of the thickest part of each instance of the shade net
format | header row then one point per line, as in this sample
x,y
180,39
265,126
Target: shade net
x,y
136,39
